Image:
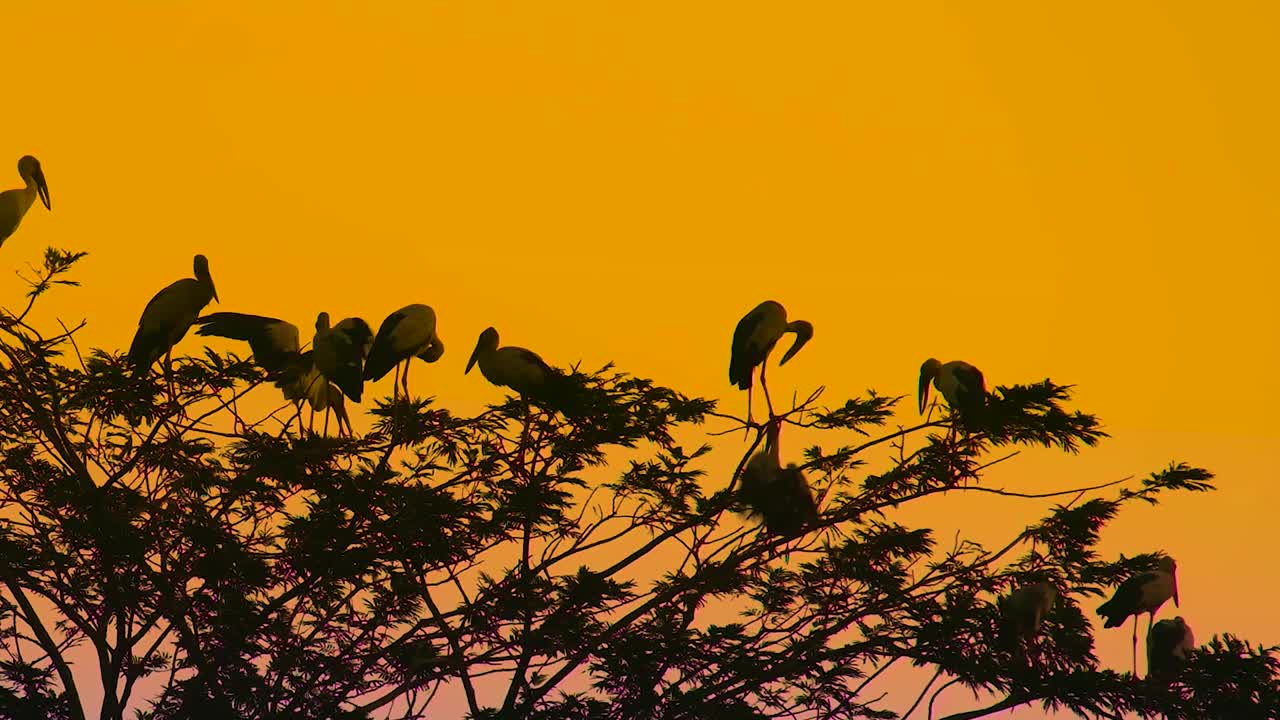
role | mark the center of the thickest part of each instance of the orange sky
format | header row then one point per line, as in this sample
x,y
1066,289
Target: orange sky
x,y
1095,189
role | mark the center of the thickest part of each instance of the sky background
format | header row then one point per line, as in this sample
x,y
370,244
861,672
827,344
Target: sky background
x,y
1084,194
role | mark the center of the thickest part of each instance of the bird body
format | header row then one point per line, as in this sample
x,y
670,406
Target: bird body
x,y
1142,593
169,315
756,335
960,384
339,352
781,496
754,338
14,204
1169,643
1024,609
406,333
514,367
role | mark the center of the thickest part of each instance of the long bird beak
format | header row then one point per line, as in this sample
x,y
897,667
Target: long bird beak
x,y
922,393
475,354
1175,591
804,332
42,188
215,291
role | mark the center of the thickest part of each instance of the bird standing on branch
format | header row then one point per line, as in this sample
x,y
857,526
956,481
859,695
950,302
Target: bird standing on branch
x,y
168,317
753,339
1142,593
406,333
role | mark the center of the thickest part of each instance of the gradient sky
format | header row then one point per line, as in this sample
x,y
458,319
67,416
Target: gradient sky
x,y
1086,194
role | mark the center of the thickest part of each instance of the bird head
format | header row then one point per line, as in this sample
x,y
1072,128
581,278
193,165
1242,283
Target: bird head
x,y
29,169
928,371
803,330
322,322
201,268
434,351
488,342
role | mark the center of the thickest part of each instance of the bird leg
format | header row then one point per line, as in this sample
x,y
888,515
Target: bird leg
x,y
311,423
395,383
1135,645
748,426
764,384
326,421
405,377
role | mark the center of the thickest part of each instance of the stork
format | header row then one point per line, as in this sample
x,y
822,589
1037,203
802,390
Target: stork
x,y
340,352
513,367
406,333
15,203
1025,608
1169,643
1142,593
757,332
779,495
168,317
960,384
276,349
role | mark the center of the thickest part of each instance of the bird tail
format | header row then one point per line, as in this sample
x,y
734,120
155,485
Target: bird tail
x,y
144,351
740,373
1112,614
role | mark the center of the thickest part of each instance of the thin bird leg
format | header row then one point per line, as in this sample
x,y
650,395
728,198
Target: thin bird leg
x,y
326,421
395,384
747,429
407,363
168,373
1135,644
764,384
311,423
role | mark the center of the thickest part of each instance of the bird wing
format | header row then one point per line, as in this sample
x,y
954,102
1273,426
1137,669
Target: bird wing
x,y
1127,599
742,358
357,334
274,342
403,334
971,379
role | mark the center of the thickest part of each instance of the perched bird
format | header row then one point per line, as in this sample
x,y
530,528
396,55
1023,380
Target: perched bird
x,y
276,349
961,385
406,333
340,352
779,495
168,317
15,203
514,367
1142,593
1024,609
753,339
1169,642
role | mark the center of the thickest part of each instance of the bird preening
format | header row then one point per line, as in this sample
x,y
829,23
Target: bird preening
x,y
1024,610
961,385
779,495
15,203
406,333
753,340
1142,593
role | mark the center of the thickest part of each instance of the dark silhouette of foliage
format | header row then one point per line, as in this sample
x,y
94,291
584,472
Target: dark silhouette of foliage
x,y
247,572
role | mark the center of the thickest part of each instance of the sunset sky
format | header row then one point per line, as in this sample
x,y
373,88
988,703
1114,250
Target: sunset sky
x,y
1087,195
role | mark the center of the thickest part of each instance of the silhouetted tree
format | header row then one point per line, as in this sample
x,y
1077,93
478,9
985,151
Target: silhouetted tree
x,y
236,570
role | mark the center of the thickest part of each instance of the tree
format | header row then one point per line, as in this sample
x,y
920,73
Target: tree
x,y
238,570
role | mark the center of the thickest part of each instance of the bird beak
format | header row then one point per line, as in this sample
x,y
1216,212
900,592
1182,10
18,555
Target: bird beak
x,y
471,363
791,351
922,394
215,291
1175,592
42,188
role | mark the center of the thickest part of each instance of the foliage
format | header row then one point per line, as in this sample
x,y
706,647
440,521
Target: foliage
x,y
258,573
